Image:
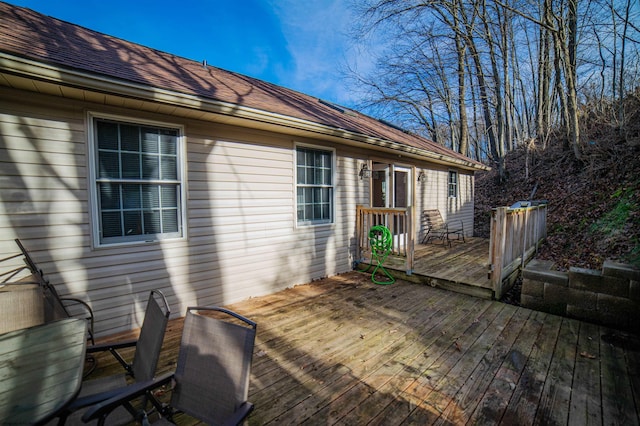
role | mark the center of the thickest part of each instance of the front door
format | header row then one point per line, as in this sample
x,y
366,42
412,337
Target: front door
x,y
391,186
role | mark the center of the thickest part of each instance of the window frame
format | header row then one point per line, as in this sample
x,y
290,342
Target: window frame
x,y
332,186
93,183
453,185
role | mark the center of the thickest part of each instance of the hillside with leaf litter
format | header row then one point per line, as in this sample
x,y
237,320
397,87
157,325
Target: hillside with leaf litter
x,y
593,202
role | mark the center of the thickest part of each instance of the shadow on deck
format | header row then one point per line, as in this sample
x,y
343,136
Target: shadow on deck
x,y
462,268
345,351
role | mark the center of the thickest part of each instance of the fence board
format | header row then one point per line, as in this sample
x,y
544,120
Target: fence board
x,y
515,235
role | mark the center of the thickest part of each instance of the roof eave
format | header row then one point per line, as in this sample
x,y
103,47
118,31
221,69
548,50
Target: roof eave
x,y
83,80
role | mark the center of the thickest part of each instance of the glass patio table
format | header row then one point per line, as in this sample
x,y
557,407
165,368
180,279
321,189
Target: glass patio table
x,y
41,370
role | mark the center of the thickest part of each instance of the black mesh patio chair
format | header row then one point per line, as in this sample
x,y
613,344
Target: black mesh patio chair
x,y
211,380
142,368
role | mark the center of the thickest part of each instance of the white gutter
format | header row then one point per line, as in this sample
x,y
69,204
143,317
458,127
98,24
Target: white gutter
x,y
82,80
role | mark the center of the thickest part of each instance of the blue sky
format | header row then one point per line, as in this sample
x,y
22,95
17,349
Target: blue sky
x,y
300,44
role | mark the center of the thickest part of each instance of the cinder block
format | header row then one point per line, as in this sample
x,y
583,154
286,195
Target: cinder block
x,y
555,299
615,286
582,299
618,306
555,294
585,279
531,302
533,288
553,277
620,270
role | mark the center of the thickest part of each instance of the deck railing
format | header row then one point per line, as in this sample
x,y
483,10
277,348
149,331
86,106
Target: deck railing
x,y
400,223
515,236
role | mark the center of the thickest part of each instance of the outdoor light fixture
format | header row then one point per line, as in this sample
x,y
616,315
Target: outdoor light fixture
x,y
422,177
364,171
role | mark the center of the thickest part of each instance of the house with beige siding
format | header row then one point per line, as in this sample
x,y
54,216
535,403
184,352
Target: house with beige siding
x,y
125,169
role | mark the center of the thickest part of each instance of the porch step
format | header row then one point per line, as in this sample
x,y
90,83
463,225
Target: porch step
x,y
432,281
461,268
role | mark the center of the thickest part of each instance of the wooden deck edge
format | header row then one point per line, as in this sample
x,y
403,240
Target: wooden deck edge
x,y
416,278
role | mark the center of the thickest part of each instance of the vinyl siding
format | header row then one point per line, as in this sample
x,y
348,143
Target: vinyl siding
x,y
433,194
242,239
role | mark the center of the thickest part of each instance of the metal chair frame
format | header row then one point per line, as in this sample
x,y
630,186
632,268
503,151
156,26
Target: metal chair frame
x,y
226,340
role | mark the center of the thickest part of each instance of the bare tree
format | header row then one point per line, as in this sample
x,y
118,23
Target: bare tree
x,y
497,73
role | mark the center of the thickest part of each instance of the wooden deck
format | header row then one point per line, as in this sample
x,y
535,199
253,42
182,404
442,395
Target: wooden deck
x,y
462,268
345,351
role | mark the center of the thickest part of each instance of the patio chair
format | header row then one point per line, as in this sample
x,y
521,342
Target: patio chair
x,y
211,377
435,228
56,307
8,276
141,369
21,301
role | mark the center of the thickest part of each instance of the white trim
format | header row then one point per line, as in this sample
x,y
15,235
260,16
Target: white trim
x,y
457,183
91,182
410,185
389,167
334,163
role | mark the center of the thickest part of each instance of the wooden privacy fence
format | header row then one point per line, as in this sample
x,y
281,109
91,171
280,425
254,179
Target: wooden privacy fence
x,y
515,235
400,223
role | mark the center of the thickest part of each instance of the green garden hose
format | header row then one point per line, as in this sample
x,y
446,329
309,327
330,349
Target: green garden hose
x,y
381,242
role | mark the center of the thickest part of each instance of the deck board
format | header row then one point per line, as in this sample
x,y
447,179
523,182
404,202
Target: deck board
x,y
553,408
584,409
618,403
348,352
528,391
463,267
493,403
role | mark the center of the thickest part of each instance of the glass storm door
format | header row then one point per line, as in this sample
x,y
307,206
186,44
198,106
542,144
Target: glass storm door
x,y
391,186
379,179
401,189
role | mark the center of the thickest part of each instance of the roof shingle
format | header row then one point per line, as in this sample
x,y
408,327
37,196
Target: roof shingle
x,y
28,34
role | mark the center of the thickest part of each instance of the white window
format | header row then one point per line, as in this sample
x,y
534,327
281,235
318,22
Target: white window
x,y
314,185
453,184
136,171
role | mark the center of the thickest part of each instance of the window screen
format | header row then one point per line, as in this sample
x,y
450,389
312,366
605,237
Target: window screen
x,y
137,182
314,185
453,184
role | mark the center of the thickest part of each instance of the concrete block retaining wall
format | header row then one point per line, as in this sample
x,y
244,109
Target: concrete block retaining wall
x,y
610,297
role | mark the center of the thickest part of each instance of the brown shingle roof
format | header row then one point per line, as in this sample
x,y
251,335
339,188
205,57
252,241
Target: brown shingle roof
x,y
26,33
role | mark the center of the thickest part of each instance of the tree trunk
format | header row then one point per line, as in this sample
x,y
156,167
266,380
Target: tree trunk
x,y
462,89
544,76
572,78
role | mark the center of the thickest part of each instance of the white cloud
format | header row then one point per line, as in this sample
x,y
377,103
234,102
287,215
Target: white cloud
x,y
317,40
